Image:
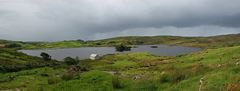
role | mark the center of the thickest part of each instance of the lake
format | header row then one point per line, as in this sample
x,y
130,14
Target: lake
x,y
85,52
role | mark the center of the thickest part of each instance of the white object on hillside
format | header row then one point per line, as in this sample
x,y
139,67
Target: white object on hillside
x,y
94,56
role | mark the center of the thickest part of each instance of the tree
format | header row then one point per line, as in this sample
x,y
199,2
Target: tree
x,y
45,56
122,48
71,61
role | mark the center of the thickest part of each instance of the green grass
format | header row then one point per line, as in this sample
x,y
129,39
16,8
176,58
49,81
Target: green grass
x,y
216,65
161,73
29,80
11,61
140,72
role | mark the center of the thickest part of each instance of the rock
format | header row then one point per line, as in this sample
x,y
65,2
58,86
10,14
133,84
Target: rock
x,y
219,65
238,63
136,77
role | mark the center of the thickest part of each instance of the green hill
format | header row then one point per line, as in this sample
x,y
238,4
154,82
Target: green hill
x,y
11,60
216,68
203,42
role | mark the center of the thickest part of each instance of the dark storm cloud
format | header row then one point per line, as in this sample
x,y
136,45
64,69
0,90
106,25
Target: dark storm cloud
x,y
96,19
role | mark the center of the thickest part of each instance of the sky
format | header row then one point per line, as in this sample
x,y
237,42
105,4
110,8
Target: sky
x,y
54,20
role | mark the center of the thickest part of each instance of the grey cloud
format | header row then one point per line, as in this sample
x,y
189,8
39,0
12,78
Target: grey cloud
x,y
171,30
51,20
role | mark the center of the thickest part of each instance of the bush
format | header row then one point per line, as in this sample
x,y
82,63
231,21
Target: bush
x,y
71,61
45,56
122,48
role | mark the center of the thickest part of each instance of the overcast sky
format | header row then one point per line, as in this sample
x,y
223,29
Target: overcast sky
x,y
52,20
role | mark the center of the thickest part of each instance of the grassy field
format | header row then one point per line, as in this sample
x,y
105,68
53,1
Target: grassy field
x,y
215,68
218,69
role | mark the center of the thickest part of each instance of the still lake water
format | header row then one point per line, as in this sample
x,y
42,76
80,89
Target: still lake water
x,y
85,52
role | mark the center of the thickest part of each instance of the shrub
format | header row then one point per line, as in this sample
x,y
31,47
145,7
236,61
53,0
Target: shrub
x,y
122,48
71,61
45,56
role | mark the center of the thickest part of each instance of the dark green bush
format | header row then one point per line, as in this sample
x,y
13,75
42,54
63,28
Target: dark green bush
x,y
45,56
122,48
71,61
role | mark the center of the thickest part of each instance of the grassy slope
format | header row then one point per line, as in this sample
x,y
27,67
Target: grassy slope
x,y
217,67
11,61
11,57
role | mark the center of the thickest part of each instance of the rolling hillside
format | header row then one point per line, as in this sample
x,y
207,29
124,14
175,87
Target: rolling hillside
x,y
203,42
208,70
216,68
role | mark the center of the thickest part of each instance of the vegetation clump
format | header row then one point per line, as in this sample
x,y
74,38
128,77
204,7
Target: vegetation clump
x,y
45,56
154,46
121,48
71,61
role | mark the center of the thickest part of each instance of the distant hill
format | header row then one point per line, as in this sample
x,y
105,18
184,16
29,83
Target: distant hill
x,y
212,41
203,42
